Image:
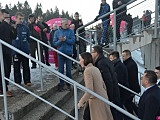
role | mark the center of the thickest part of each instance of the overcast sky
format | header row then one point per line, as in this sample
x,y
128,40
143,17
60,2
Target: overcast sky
x,y
88,9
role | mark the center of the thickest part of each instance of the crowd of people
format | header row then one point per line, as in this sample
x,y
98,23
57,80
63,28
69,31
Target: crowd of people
x,y
101,74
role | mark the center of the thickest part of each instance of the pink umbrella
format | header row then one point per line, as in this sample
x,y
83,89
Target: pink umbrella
x,y
122,26
56,20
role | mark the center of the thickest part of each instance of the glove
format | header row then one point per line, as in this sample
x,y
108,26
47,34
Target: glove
x,y
95,19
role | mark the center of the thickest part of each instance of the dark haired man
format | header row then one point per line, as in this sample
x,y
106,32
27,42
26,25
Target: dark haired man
x,y
35,32
104,8
22,43
122,76
78,23
7,34
157,71
107,70
44,29
132,78
149,103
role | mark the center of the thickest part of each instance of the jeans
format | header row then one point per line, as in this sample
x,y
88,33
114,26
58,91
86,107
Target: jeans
x,y
61,62
104,32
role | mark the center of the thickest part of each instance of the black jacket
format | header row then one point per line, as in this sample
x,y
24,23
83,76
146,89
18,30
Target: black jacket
x,y
132,74
33,32
107,70
7,34
122,76
149,104
76,23
43,25
115,5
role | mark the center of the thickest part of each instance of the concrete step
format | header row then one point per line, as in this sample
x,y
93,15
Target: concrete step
x,y
69,107
22,102
44,111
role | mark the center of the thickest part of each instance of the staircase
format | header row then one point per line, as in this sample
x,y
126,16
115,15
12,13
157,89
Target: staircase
x,y
24,106
136,41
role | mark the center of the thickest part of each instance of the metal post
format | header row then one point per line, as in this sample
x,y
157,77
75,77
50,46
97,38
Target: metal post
x,y
40,68
77,46
90,40
75,101
156,20
3,83
95,37
114,32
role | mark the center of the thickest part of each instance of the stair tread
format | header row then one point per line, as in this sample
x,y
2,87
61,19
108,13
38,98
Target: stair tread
x,y
22,101
41,111
69,107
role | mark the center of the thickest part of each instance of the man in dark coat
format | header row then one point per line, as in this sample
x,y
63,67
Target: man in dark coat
x,y
122,76
44,29
149,103
157,71
78,23
35,32
7,34
107,70
121,15
132,78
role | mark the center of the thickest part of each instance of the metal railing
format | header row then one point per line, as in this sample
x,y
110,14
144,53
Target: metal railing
x,y
40,42
114,28
75,84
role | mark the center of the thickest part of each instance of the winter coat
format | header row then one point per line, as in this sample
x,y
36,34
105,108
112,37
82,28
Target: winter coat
x,y
76,23
33,31
107,70
132,74
22,40
66,46
43,25
123,10
7,34
103,10
93,81
122,76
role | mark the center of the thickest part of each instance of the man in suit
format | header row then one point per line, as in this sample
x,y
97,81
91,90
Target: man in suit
x,y
132,78
149,103
157,71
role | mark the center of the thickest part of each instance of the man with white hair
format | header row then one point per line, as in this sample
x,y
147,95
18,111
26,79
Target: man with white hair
x,y
64,40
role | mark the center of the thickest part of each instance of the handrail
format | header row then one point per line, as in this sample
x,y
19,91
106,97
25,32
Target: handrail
x,y
77,31
54,49
67,79
122,86
78,62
